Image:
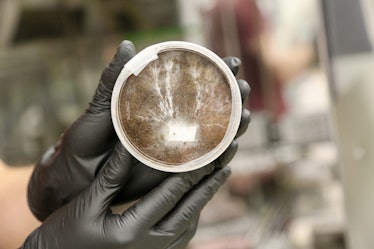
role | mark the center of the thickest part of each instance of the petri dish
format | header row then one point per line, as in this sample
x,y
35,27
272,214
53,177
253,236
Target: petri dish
x,y
176,106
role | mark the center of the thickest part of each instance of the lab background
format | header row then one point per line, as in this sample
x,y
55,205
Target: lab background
x,y
302,178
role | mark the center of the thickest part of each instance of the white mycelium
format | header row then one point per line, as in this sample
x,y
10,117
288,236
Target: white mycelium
x,y
177,108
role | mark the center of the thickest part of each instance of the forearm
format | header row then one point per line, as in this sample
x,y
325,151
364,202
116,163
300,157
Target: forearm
x,y
285,61
16,219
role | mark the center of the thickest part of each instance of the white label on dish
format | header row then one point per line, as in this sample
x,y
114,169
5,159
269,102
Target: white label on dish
x,y
180,132
139,62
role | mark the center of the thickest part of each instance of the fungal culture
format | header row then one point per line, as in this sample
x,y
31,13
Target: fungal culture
x,y
176,106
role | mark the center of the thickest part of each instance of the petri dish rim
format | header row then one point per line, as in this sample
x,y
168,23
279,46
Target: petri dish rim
x,y
137,64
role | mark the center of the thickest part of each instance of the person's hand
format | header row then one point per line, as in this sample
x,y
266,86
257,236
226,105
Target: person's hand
x,y
165,218
71,166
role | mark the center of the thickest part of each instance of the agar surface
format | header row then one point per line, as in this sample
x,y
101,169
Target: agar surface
x,y
177,109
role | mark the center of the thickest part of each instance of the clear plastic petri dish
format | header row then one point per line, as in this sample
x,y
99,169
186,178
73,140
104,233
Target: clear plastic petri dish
x,y
176,106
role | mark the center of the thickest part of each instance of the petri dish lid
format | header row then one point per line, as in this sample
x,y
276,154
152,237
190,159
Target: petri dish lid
x,y
176,106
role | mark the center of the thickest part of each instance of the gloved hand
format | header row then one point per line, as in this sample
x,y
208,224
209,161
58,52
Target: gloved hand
x,y
72,164
165,218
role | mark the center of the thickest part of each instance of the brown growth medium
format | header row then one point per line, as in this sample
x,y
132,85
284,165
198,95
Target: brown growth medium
x,y
177,109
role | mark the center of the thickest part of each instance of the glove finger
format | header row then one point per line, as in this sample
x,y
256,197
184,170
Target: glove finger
x,y
110,179
228,155
186,237
245,89
125,52
188,209
244,123
161,200
233,63
141,181
38,196
101,100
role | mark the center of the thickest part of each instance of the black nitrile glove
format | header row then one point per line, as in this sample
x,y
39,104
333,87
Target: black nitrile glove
x,y
69,167
165,218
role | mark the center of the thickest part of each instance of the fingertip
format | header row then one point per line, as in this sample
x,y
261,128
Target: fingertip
x,y
233,63
227,171
228,155
245,89
218,178
125,51
125,43
189,207
246,115
244,122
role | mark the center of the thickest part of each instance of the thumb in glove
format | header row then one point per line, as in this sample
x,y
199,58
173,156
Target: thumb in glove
x,y
71,165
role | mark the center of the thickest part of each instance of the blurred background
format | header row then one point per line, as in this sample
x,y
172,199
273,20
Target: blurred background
x,y
303,175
